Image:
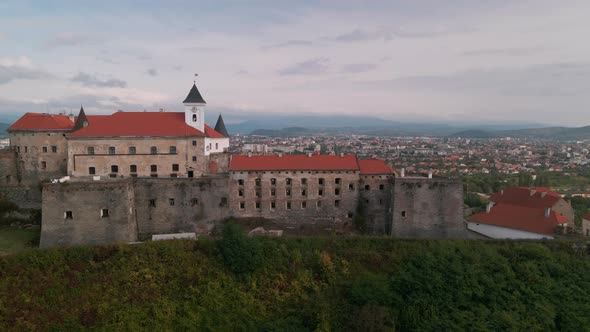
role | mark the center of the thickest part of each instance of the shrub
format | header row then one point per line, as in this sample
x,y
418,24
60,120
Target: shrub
x,y
242,255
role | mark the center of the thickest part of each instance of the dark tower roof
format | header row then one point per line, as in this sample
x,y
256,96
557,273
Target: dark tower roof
x,y
220,127
81,120
194,96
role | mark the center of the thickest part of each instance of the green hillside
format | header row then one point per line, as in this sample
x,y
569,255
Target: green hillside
x,y
312,284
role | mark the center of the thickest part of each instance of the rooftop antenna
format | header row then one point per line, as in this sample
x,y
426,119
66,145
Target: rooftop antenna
x,y
195,81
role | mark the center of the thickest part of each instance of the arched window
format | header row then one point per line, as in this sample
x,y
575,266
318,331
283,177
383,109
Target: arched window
x,y
194,118
153,150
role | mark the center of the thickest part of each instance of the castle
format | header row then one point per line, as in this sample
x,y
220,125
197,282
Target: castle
x,y
130,175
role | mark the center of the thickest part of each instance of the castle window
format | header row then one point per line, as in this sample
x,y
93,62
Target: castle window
x,y
258,182
132,150
171,201
54,149
91,170
114,169
241,192
153,150
304,205
43,165
111,150
44,149
153,168
381,186
367,187
336,191
257,192
223,201
288,192
240,182
273,205
175,167
273,192
104,213
350,186
133,168
257,205
303,192
367,201
304,181
380,201
321,181
288,181
273,181
152,203
318,204
90,150
194,201
320,192
216,146
337,203
288,205
172,150
349,215
194,118
194,158
242,205
18,149
338,180
403,213
194,143
68,215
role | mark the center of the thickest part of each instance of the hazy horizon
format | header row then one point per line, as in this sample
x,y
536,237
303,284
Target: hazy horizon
x,y
407,61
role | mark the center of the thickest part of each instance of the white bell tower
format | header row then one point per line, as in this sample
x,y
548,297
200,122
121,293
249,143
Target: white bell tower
x,y
194,109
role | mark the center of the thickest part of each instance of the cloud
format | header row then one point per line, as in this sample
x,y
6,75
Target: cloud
x,y
152,72
360,35
353,68
289,43
517,51
308,67
20,68
390,33
89,80
543,80
67,39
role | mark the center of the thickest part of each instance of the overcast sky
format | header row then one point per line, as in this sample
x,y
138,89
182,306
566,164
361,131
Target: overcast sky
x,y
412,60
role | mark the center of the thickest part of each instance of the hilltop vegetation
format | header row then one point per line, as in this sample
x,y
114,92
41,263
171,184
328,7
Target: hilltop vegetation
x,y
362,284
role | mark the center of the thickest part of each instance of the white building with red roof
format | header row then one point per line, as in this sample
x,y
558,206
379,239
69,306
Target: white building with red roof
x,y
523,213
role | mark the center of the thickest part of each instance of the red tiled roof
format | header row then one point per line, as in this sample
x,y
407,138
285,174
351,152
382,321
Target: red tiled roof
x,y
294,163
42,122
141,124
374,166
521,196
522,218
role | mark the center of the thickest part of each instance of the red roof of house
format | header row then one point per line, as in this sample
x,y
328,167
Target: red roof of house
x,y
294,163
374,166
522,218
542,197
141,124
42,122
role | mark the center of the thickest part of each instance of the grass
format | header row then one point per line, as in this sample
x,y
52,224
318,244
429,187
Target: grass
x,y
14,239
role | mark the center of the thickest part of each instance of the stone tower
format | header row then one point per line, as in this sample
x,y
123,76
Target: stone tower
x,y
194,109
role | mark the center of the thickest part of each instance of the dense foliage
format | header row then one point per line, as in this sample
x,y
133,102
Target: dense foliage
x,y
368,284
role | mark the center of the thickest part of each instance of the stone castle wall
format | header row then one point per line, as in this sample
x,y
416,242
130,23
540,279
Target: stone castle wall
x,y
428,208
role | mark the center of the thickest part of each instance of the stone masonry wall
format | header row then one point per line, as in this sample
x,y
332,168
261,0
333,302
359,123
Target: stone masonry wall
x,y
376,195
428,208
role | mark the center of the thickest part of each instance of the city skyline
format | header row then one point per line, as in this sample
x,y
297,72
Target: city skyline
x,y
404,60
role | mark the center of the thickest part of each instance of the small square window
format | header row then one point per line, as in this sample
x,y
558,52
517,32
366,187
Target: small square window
x,y
91,170
68,215
288,192
90,150
257,205
337,203
240,182
273,192
403,213
194,158
288,205
152,203
171,201
104,213
349,215
288,181
194,201
132,150
223,201
350,186
133,168
43,165
111,150
194,143
175,167
44,149
273,205
114,169
304,205
258,182
303,192
381,186
54,149
336,191
172,150
318,204
273,181
242,205
304,181
320,192
240,192
338,180
367,187
321,181
154,168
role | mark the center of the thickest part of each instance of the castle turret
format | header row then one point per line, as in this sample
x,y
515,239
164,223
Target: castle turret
x,y
194,109
220,127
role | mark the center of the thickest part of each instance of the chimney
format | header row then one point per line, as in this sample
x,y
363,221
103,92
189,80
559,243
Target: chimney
x,y
543,194
430,174
309,154
489,207
533,191
280,154
502,192
341,154
71,117
547,212
403,172
249,154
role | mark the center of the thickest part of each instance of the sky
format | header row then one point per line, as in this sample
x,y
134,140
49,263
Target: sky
x,y
497,61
